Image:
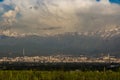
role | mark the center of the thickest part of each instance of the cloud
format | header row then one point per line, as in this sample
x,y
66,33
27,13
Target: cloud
x,y
9,18
60,16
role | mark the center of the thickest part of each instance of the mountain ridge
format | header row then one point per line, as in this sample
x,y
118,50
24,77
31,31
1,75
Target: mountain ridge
x,y
69,43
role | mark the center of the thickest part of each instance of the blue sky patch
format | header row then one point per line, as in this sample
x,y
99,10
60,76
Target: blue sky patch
x,y
1,0
97,0
112,1
115,1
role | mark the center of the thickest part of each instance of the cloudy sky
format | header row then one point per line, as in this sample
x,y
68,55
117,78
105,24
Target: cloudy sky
x,y
57,16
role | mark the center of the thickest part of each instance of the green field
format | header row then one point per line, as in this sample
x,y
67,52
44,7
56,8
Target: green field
x,y
59,75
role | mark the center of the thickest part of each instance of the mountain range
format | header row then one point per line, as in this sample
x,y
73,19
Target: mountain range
x,y
94,43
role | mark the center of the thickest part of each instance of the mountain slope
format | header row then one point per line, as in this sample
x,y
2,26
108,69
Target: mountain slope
x,y
69,43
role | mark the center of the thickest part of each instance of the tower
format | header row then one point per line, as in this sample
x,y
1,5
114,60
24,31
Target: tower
x,y
23,52
108,58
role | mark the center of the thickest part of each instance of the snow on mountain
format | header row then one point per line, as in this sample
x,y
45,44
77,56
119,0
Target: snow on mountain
x,y
109,31
69,43
105,33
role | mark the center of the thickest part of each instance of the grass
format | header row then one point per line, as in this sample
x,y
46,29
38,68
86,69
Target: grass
x,y
59,75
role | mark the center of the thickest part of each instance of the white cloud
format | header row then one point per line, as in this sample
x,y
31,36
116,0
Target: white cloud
x,y
59,16
8,19
10,16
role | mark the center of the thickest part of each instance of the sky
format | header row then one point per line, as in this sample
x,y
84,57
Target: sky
x,y
50,17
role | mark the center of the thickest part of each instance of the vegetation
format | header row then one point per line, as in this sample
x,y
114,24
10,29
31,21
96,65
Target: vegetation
x,y
59,75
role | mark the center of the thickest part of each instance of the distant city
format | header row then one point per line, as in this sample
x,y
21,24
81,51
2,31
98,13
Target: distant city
x,y
62,59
